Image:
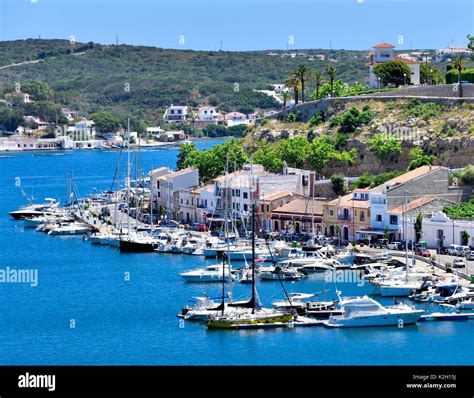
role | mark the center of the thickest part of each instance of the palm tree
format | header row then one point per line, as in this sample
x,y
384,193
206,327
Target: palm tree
x,y
459,63
302,72
285,96
319,80
331,71
294,82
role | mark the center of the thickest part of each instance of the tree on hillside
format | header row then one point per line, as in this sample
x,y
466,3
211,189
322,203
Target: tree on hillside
x,y
331,71
430,74
418,158
459,63
40,91
105,122
319,80
337,182
393,72
295,84
10,119
302,73
285,96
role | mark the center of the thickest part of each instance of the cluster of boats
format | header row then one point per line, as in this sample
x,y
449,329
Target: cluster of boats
x,y
50,218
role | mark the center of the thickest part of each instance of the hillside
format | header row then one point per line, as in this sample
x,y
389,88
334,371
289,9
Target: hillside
x,y
353,137
90,77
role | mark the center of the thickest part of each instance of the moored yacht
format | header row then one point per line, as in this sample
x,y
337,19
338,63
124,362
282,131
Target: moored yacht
x,y
211,273
364,311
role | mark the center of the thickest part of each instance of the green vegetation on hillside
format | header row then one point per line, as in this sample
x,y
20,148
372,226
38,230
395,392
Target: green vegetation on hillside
x,y
97,77
461,210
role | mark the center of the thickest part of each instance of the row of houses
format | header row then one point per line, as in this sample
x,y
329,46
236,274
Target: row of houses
x,y
204,116
291,201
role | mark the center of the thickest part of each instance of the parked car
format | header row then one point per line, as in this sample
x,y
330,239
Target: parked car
x,y
363,242
421,251
469,255
380,243
403,245
459,263
458,250
394,246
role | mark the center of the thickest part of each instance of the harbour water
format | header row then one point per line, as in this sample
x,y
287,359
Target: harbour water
x,y
95,306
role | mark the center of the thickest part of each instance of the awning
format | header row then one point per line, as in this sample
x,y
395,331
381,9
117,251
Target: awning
x,y
372,231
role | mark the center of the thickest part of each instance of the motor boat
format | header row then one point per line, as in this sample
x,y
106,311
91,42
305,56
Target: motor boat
x,y
466,304
211,273
365,311
321,266
201,309
69,229
398,288
35,210
301,303
277,273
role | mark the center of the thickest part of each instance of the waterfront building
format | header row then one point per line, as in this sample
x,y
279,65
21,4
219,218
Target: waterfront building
x,y
177,113
156,132
439,230
348,217
387,199
185,205
164,184
383,52
300,215
235,118
267,204
207,115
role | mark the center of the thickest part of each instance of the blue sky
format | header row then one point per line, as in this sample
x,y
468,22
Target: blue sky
x,y
243,24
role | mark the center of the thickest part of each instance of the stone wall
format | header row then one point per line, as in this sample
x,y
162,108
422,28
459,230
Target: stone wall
x,y
330,106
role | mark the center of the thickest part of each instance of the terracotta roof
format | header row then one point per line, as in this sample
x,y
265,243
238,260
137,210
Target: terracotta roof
x,y
411,175
347,201
383,45
417,203
301,206
175,173
405,60
275,196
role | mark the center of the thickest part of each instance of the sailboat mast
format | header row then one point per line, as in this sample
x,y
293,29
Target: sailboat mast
x,y
128,176
253,257
406,236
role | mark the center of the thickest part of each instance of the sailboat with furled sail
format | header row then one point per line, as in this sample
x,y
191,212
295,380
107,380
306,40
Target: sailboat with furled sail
x,y
255,316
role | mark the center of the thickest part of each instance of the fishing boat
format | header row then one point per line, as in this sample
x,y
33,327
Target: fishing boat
x,y
212,273
365,311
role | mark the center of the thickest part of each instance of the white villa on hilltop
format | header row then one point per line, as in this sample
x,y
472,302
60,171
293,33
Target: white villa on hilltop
x,y
383,52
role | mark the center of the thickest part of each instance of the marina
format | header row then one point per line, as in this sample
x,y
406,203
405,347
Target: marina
x,y
99,289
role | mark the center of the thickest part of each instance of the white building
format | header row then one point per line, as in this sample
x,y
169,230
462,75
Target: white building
x,y
383,52
157,132
235,118
165,182
177,113
453,51
441,231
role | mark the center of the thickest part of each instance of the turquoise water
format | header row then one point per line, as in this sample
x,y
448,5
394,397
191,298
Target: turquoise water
x,y
134,322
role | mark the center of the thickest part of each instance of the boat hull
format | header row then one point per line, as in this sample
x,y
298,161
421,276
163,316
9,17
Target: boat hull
x,y
396,291
375,320
127,246
256,321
